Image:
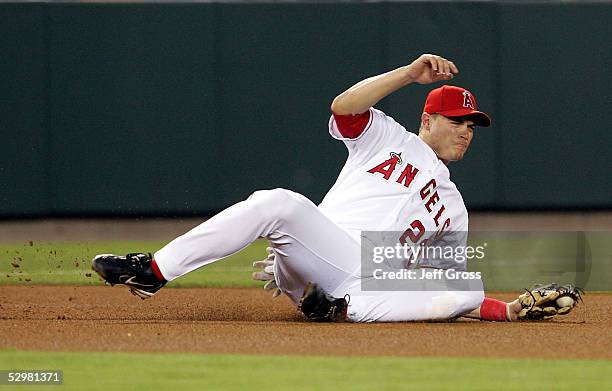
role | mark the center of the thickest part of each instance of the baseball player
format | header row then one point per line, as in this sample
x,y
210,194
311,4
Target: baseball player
x,y
393,180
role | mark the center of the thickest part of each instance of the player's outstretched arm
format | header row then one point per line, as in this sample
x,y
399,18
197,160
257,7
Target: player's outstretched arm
x,y
428,68
541,302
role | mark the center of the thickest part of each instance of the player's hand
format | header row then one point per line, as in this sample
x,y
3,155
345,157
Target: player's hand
x,y
513,310
430,68
267,273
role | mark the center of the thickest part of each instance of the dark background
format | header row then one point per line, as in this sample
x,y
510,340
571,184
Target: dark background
x,y
181,109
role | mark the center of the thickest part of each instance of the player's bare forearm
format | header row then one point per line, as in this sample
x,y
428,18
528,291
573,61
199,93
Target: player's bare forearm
x,y
368,92
426,69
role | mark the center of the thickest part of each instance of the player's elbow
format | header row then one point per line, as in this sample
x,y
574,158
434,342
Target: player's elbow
x,y
341,105
336,106
349,103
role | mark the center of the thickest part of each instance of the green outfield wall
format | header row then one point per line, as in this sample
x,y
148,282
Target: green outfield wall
x,y
172,109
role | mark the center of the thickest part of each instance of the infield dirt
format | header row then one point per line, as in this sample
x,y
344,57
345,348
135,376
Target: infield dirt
x,y
249,321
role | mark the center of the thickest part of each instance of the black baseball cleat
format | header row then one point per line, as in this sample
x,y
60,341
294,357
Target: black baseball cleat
x,y
319,306
133,270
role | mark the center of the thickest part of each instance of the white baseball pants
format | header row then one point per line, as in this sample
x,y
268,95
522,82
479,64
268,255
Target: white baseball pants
x,y
308,247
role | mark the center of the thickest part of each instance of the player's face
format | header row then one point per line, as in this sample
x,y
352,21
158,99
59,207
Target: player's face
x,y
449,137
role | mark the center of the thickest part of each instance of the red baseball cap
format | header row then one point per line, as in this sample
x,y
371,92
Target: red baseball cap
x,y
451,101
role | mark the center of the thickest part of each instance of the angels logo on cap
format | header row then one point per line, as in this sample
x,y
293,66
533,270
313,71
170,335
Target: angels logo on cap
x,y
467,100
452,101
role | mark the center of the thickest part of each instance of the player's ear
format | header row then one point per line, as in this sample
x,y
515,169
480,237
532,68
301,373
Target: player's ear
x,y
425,121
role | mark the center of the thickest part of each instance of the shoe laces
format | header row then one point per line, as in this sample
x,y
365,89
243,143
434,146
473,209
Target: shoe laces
x,y
139,260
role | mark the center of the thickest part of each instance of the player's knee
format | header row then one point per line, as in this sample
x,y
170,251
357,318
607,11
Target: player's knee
x,y
271,197
277,203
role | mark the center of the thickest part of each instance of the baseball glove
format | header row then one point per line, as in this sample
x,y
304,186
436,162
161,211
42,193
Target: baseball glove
x,y
546,301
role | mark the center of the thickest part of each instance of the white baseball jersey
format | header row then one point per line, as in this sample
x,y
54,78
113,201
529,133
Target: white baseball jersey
x,y
393,181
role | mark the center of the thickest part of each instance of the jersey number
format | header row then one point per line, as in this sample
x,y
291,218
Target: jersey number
x,y
414,233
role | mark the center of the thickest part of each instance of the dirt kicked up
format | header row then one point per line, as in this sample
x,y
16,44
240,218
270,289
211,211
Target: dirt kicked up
x,y
249,321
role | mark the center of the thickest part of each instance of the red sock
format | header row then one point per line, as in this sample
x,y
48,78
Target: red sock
x,y
156,271
492,309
